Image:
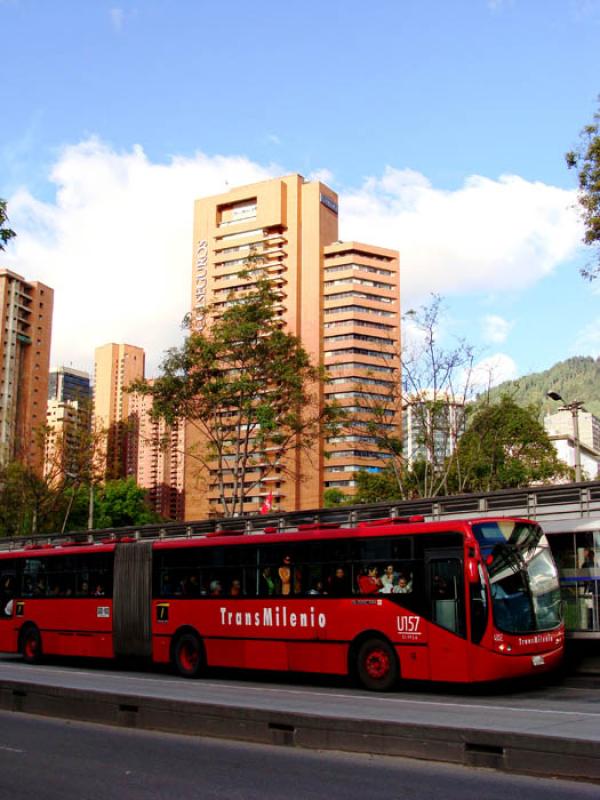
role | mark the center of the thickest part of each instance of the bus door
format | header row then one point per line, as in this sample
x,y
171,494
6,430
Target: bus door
x,y
8,589
132,599
444,583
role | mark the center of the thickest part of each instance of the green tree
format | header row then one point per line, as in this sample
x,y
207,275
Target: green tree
x,y
505,447
5,232
586,160
433,388
248,389
122,502
373,487
29,503
335,497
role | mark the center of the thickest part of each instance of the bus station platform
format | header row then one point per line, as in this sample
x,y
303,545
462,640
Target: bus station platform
x,y
553,733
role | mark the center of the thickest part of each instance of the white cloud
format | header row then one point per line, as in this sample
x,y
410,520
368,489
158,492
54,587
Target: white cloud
x,y
493,370
322,175
495,329
487,235
116,241
116,245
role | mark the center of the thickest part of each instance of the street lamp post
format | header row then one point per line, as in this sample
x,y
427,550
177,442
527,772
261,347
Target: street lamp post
x,y
574,408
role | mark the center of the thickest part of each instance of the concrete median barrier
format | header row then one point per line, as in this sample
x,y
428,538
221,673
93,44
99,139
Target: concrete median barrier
x,y
550,756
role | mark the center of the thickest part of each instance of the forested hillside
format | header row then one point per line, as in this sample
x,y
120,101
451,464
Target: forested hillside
x,y
576,378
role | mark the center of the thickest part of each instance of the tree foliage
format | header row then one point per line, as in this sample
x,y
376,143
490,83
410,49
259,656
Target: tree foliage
x,y
586,160
334,497
75,458
5,232
249,390
373,487
120,503
29,504
433,388
504,447
577,377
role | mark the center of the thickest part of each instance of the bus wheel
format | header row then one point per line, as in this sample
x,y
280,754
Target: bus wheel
x,y
188,655
377,665
31,645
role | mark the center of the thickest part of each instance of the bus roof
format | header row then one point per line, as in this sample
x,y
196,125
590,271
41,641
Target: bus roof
x,y
309,532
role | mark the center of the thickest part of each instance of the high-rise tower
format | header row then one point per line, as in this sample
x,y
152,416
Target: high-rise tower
x,y
341,300
116,367
68,419
25,334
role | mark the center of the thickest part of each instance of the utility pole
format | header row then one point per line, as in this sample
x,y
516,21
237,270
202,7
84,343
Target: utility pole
x,y
574,408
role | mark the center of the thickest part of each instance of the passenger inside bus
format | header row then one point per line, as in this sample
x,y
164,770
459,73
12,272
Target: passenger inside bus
x,y
192,586
368,580
338,583
388,579
404,585
285,575
236,588
266,584
7,594
216,589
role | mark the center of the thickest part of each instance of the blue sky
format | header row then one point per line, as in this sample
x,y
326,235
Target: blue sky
x,y
442,125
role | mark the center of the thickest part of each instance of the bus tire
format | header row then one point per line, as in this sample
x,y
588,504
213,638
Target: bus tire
x,y
30,645
188,654
377,665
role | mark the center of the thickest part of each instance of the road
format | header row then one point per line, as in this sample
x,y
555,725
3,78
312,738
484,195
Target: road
x,y
546,729
58,760
530,707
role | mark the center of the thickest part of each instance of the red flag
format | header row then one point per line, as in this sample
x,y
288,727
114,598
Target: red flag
x,y
268,504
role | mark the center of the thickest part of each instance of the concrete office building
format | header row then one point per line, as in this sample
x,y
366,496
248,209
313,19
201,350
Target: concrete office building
x,y
432,423
66,383
136,445
68,418
116,367
340,298
560,427
25,336
159,458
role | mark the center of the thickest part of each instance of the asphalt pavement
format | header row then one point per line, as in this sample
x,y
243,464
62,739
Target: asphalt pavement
x,y
543,731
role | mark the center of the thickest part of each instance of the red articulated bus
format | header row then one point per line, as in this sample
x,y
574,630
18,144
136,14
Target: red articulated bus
x,y
461,600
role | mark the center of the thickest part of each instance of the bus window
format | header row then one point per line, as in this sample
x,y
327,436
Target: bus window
x,y
373,550
267,582
339,581
7,592
60,576
97,571
479,606
316,579
34,578
288,572
446,594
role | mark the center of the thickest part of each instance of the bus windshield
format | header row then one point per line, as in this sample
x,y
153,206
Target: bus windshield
x,y
523,576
